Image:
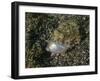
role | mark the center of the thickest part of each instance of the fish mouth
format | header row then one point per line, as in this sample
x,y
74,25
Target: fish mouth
x,y
55,47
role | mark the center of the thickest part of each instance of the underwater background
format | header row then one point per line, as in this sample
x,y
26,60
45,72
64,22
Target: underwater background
x,y
68,29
